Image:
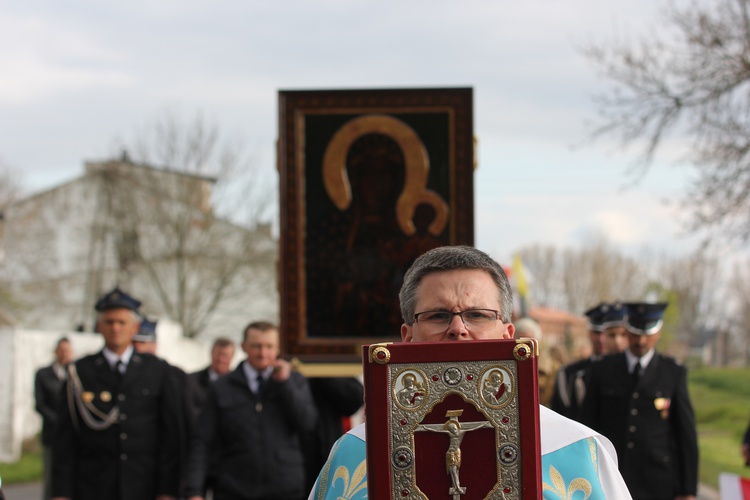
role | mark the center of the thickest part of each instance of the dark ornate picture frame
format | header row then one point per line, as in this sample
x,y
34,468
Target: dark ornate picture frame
x,y
369,180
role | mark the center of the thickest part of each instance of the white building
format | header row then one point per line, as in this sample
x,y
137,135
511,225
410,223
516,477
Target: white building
x,y
152,232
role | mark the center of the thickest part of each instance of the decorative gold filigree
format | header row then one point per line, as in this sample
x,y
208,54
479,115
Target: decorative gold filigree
x,y
379,354
522,351
352,485
558,486
592,452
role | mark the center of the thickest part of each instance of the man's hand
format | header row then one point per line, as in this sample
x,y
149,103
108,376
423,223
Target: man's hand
x,y
193,498
282,369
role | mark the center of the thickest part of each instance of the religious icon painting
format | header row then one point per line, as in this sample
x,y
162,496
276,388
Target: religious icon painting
x,y
496,386
456,420
369,180
410,390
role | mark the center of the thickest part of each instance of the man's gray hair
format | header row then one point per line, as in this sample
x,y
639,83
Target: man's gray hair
x,y
449,258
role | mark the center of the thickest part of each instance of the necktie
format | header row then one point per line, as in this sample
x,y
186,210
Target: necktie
x,y
119,371
636,373
261,385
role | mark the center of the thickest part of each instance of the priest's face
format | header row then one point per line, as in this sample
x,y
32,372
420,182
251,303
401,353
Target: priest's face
x,y
456,291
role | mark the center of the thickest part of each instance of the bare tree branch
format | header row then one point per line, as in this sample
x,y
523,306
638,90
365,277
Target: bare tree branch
x,y
161,210
694,85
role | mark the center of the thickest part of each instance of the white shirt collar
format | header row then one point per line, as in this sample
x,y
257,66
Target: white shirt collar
x,y
59,370
632,359
252,375
112,358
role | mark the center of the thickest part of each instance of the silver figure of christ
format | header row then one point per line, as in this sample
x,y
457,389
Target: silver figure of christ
x,y
456,431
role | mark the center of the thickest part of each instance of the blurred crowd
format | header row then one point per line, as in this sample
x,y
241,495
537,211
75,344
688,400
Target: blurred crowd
x,y
125,424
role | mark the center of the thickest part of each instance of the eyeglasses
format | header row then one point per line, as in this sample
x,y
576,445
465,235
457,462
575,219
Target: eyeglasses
x,y
473,318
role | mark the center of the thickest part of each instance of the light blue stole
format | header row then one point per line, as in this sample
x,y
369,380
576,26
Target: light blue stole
x,y
570,473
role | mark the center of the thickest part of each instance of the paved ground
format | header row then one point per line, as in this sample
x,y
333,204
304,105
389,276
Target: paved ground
x,y
34,492
31,491
704,493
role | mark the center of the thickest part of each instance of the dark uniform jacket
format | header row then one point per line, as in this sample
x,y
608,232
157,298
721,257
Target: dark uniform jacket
x,y
570,388
137,457
258,439
47,391
198,384
335,397
651,425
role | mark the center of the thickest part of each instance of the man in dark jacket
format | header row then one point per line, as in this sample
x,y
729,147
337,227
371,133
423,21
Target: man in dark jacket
x,y
47,389
335,398
570,386
639,400
118,436
255,416
222,352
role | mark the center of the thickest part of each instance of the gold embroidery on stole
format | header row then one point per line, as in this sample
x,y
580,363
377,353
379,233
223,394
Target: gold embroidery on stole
x,y
559,489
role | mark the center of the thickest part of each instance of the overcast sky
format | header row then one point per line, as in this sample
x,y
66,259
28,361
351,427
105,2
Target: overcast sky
x,y
77,75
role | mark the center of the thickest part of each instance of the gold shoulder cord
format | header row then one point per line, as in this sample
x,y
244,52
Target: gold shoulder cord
x,y
86,409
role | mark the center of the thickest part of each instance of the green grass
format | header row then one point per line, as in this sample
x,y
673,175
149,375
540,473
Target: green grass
x,y
28,469
721,398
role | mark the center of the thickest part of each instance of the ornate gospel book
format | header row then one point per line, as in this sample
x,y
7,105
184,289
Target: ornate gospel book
x,y
452,420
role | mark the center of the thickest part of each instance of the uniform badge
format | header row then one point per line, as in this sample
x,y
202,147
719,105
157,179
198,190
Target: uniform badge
x,y
87,396
105,396
662,405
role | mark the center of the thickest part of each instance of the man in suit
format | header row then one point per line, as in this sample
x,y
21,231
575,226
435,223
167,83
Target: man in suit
x,y
222,352
639,400
570,386
119,429
335,398
608,336
47,389
255,416
144,342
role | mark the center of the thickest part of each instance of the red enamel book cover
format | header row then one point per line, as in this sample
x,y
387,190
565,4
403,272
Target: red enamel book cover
x,y
452,420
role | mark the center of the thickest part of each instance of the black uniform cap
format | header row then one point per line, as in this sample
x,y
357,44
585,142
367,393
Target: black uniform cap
x,y
613,315
596,317
147,332
117,299
644,318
